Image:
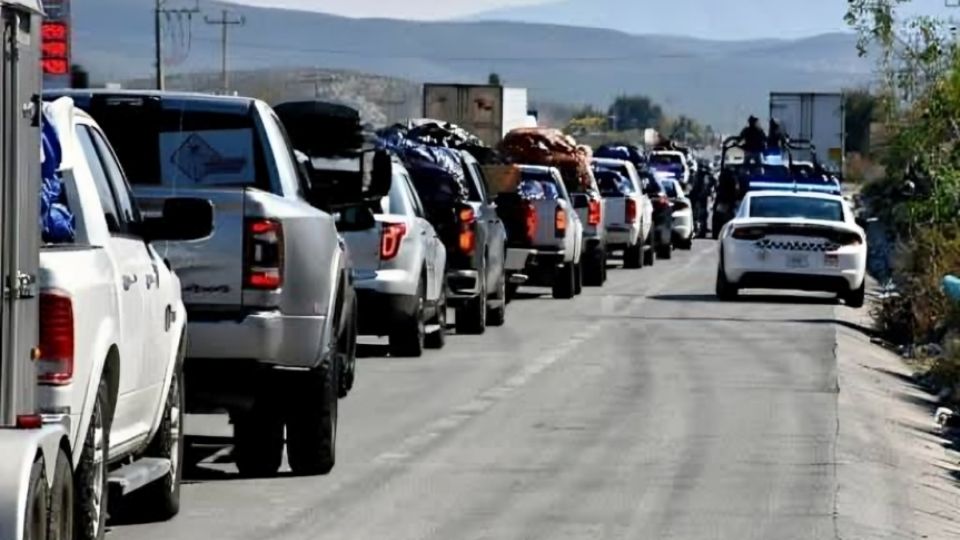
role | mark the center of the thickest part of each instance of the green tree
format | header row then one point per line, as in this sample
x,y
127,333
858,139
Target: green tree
x,y
635,112
494,79
860,108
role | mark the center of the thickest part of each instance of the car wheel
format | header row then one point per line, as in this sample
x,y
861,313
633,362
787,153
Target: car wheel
x,y
162,498
472,315
348,353
60,516
593,271
563,286
578,279
665,252
312,424
91,475
649,252
258,438
633,257
407,335
725,289
438,338
856,298
497,316
36,520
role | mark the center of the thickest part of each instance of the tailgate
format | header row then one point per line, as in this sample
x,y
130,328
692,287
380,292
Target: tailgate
x,y
615,212
364,247
546,236
211,269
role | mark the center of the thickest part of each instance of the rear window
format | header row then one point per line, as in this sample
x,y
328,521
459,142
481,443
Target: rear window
x,y
614,184
670,188
396,201
796,207
665,159
183,147
536,185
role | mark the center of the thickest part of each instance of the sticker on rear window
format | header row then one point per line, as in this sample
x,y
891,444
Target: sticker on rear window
x,y
210,158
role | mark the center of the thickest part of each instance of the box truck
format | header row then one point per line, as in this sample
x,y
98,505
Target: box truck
x,y
815,117
487,111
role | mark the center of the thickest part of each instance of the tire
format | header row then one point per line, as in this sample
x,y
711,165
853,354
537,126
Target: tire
x,y
438,339
578,279
686,244
258,438
594,272
36,519
408,334
161,499
512,290
665,252
348,355
726,291
856,297
90,478
649,251
497,316
472,315
312,425
633,257
563,286
60,516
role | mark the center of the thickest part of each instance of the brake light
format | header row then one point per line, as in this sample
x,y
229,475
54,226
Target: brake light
x,y
593,213
29,421
680,205
631,211
850,239
530,220
391,236
263,256
661,201
56,338
560,222
468,233
748,233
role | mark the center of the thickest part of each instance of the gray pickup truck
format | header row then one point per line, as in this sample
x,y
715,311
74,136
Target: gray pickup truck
x,y
271,336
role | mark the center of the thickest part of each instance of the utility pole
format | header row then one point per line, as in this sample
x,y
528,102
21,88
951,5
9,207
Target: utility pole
x,y
159,12
225,22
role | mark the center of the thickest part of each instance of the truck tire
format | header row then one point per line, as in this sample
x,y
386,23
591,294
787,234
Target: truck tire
x,y
161,499
258,438
665,251
563,286
348,352
90,479
312,424
36,520
594,273
472,315
60,516
633,256
649,250
407,335
497,316
578,279
438,339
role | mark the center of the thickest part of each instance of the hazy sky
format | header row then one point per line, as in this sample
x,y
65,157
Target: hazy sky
x,y
401,9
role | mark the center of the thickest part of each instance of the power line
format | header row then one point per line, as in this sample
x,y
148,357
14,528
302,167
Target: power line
x,y
225,22
160,11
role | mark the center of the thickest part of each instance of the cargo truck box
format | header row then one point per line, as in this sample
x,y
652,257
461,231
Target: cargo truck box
x,y
487,111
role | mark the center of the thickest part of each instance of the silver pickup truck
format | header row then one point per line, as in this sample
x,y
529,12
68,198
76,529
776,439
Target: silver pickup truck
x,y
268,294
544,233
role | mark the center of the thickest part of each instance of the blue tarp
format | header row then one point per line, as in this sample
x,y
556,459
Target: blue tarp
x,y
57,223
438,166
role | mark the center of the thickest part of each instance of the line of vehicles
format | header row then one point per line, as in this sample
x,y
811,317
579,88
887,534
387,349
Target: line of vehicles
x,y
199,253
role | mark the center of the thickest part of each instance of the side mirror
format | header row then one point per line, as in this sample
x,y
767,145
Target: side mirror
x,y
182,219
381,174
580,200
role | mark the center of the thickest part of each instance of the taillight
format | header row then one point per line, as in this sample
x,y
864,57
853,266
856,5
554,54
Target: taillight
x,y
56,338
264,255
593,213
850,239
560,222
391,236
748,233
631,211
530,220
661,201
680,205
468,234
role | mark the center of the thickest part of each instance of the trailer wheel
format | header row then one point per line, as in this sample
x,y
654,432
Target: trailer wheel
x,y
161,499
35,518
60,518
91,476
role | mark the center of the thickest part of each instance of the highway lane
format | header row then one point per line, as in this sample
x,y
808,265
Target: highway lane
x,y
644,409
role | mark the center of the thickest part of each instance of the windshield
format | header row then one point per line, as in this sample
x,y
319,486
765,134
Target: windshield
x,y
796,207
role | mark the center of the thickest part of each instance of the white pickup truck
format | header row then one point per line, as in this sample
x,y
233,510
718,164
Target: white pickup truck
x,y
112,327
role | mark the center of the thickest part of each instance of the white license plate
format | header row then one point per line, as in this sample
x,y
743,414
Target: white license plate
x,y
831,261
798,261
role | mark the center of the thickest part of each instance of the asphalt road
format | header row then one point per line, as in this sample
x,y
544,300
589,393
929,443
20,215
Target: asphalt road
x,y
645,409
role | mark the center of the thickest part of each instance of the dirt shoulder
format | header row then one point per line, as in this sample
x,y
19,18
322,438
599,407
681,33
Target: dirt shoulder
x,y
897,475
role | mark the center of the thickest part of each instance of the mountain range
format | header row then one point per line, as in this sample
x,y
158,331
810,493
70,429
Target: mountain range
x,y
716,81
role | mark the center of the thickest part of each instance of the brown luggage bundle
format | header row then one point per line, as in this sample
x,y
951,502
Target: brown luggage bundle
x,y
551,148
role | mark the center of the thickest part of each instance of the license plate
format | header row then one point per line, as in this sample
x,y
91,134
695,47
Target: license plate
x,y
798,261
831,261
